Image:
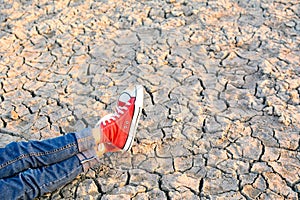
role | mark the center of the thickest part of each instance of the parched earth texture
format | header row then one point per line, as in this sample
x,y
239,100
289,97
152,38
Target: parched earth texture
x,y
221,78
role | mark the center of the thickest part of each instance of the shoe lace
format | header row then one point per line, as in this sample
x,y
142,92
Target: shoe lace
x,y
120,110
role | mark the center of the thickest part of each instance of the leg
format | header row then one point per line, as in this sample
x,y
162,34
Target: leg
x,y
36,182
19,156
116,130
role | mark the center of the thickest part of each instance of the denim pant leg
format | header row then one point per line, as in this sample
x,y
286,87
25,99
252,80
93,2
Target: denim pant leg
x,y
33,183
19,156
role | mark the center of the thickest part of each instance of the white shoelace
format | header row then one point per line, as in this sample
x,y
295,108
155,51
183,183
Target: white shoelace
x,y
119,111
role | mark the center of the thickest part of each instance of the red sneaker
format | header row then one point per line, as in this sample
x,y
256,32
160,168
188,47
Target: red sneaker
x,y
118,129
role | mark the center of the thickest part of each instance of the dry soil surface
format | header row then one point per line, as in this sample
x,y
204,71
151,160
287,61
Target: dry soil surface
x,y
221,79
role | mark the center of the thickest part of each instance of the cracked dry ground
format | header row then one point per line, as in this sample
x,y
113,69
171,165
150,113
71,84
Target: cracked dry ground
x,y
222,82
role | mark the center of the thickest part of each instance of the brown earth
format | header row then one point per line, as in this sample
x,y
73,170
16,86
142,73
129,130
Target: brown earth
x,y
222,82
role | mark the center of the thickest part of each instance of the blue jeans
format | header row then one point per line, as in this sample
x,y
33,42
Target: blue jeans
x,y
31,169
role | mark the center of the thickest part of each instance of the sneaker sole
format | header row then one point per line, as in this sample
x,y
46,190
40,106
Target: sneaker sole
x,y
136,116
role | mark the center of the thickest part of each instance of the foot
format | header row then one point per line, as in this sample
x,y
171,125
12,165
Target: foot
x,y
118,130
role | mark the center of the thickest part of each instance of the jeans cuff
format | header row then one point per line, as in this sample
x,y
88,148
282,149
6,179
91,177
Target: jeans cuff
x,y
88,159
85,139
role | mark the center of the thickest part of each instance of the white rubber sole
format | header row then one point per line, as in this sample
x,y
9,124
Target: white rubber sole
x,y
136,116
